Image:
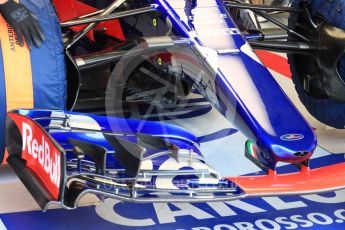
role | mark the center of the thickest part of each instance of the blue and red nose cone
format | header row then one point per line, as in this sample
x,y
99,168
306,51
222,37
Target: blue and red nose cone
x,y
293,148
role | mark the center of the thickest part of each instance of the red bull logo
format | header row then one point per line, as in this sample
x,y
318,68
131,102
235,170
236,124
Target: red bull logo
x,y
39,149
41,154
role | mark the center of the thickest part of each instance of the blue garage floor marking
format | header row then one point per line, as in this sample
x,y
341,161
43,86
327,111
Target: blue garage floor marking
x,y
319,212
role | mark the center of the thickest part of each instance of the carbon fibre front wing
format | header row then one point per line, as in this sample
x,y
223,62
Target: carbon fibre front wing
x,y
58,163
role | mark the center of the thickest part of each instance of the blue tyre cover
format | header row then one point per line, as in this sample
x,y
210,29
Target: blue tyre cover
x,y
47,63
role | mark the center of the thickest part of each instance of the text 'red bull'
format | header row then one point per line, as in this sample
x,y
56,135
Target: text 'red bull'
x,y
37,152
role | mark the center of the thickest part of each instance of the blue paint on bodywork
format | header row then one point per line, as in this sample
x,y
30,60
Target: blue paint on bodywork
x,y
245,92
244,87
115,125
91,128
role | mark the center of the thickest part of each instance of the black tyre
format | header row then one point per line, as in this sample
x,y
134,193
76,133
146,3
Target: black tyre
x,y
324,108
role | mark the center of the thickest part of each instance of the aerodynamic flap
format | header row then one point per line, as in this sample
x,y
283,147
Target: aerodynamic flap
x,y
37,159
305,181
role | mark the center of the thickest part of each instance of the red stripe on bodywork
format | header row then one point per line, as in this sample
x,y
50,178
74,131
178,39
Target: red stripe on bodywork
x,y
71,9
274,62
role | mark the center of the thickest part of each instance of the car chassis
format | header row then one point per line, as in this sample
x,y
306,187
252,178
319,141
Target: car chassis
x,y
62,155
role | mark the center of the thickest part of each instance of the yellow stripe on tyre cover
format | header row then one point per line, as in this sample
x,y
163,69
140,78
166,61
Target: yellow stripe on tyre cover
x,y
17,70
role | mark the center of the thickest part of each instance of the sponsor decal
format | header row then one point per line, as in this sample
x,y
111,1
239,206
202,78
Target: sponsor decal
x,y
40,153
292,137
324,211
12,38
259,213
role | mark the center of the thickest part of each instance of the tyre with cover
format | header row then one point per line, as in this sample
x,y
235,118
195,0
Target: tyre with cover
x,y
47,68
327,110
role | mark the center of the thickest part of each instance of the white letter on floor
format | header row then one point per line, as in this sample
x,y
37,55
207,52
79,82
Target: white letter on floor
x,y
106,211
166,215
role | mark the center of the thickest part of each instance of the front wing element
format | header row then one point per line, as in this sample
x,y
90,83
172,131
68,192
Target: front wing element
x,y
53,178
37,159
305,181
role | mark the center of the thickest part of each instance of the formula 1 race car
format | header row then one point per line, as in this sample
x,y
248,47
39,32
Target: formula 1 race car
x,y
157,52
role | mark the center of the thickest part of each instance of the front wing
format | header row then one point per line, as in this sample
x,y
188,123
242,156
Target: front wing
x,y
44,166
